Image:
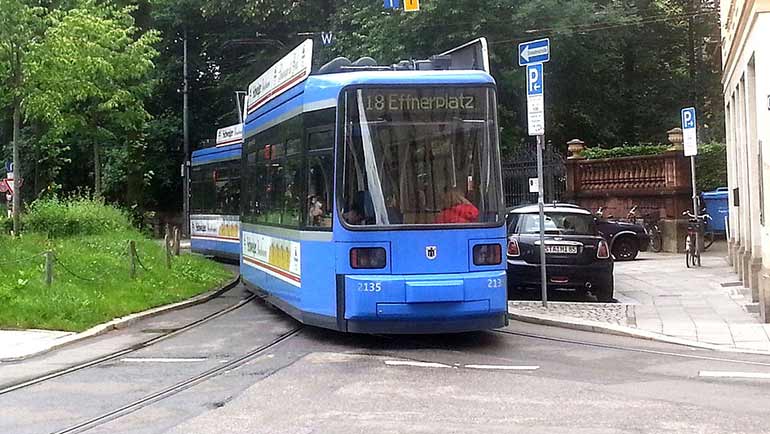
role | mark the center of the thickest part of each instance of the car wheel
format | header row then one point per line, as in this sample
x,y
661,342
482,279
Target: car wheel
x,y
606,292
625,249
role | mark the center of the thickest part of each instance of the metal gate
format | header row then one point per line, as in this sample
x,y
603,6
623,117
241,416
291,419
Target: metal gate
x,y
522,165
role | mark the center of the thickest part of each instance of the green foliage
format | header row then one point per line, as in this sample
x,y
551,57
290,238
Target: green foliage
x,y
624,151
85,70
711,166
71,217
95,81
91,282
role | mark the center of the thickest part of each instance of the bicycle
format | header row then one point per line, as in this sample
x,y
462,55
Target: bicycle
x,y
694,242
650,226
656,235
631,216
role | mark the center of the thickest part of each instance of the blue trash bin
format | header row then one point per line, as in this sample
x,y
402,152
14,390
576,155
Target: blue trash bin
x,y
718,207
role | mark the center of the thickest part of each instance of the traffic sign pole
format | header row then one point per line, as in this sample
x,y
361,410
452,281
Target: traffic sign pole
x,y
690,137
541,210
533,55
694,187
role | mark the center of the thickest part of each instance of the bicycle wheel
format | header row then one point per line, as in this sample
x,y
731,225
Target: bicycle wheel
x,y
695,246
687,248
656,239
708,240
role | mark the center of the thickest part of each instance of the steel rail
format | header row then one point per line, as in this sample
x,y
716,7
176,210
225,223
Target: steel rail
x,y
631,349
114,355
176,388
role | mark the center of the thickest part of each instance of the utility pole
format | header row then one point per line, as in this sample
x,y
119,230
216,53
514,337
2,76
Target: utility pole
x,y
17,78
186,163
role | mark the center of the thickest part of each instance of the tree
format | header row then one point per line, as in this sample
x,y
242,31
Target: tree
x,y
20,25
91,73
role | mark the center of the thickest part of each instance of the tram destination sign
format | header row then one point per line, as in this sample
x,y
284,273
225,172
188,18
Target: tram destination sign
x,y
286,73
230,135
380,101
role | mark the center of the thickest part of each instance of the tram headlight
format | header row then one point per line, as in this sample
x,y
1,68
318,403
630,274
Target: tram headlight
x,y
487,254
368,258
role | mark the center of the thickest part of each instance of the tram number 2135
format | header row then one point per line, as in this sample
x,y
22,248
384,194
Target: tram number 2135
x,y
369,286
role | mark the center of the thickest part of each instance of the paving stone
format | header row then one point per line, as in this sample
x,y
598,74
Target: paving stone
x,y
689,304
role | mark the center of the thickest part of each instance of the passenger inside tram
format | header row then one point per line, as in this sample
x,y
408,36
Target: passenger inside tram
x,y
457,209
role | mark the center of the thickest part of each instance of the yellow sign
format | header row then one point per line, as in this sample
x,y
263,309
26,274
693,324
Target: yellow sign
x,y
411,5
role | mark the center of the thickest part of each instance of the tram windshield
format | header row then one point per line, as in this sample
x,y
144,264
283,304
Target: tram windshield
x,y
420,156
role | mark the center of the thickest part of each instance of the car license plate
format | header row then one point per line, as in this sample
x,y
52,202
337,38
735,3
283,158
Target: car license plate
x,y
561,250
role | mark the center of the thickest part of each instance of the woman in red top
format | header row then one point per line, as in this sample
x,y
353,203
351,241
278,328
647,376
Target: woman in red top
x,y
458,209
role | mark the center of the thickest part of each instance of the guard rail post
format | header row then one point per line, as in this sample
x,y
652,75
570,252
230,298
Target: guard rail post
x,y
48,268
132,259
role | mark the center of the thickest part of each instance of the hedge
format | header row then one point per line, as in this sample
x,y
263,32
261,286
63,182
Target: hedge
x,y
711,166
624,151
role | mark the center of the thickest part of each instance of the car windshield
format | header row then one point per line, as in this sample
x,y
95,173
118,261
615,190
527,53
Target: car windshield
x,y
420,156
556,223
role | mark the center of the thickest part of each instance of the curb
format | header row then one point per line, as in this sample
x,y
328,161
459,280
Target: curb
x,y
123,322
610,329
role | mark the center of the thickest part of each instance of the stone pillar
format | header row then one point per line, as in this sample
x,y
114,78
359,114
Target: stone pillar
x,y
676,138
740,264
575,148
764,295
674,234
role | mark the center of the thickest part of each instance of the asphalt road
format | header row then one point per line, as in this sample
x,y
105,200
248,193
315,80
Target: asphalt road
x,y
532,379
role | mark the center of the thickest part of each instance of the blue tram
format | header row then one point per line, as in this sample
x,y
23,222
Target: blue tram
x,y
372,197
215,185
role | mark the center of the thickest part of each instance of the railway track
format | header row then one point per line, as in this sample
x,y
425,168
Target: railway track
x,y
5,389
167,392
631,349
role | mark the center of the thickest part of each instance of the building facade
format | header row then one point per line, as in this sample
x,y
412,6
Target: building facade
x,y
746,84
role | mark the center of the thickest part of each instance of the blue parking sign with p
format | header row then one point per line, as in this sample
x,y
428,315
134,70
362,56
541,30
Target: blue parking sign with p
x,y
535,79
688,118
392,4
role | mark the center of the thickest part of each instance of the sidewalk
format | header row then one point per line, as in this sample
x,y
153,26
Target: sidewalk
x,y
658,295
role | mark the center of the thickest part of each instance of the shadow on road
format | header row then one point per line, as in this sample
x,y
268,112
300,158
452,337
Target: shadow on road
x,y
571,296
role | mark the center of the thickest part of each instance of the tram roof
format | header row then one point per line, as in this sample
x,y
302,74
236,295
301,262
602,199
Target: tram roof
x,y
216,153
322,90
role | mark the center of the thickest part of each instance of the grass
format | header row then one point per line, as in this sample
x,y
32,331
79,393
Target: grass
x,y
91,278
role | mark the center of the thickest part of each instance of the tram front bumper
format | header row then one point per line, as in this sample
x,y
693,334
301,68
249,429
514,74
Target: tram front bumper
x,y
426,303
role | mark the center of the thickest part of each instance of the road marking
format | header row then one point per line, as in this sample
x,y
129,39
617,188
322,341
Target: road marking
x,y
504,367
416,364
163,360
733,374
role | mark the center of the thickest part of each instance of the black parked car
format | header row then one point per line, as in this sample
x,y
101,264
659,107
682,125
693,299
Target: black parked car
x,y
578,257
626,239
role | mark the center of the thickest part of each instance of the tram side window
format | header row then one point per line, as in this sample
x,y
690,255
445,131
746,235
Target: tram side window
x,y
227,181
292,202
320,178
203,190
215,188
249,198
279,179
272,189
320,173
